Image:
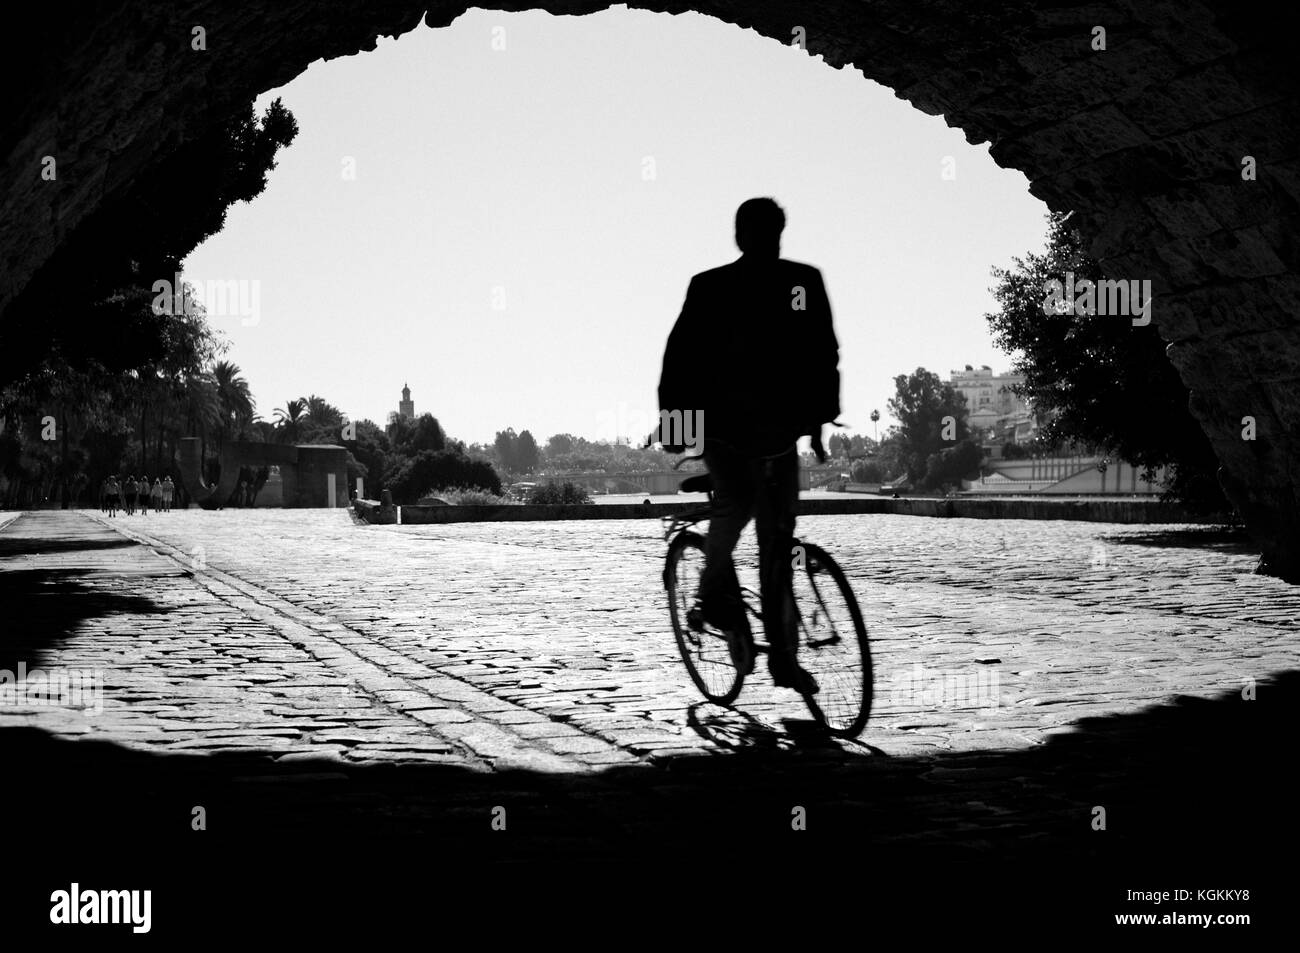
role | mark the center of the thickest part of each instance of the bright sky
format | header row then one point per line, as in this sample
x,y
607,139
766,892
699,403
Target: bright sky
x,y
522,224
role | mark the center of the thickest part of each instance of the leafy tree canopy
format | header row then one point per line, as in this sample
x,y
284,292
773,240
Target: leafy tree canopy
x,y
90,301
1100,380
931,416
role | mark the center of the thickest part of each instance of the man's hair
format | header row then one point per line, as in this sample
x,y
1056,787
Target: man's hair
x,y
760,217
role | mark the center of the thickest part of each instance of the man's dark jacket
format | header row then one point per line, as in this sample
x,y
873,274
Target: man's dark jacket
x,y
763,371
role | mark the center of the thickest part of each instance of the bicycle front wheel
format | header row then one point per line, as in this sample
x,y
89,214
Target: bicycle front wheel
x,y
708,656
833,643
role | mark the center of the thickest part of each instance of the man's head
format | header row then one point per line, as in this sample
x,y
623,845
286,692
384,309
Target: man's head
x,y
759,223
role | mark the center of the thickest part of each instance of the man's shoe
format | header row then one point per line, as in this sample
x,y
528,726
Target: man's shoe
x,y
740,643
789,674
728,617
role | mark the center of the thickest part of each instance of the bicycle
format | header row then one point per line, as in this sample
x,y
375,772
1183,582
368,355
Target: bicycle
x,y
832,639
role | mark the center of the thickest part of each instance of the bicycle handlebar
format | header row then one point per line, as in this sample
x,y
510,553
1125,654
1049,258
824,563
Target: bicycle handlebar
x,y
818,449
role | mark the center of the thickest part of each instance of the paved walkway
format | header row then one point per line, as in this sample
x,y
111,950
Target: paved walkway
x,y
297,670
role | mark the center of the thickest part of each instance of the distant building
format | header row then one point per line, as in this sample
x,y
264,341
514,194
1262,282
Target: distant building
x,y
996,414
406,406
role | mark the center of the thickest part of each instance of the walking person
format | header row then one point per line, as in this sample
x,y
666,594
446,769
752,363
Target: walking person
x,y
168,489
111,491
156,495
142,492
128,492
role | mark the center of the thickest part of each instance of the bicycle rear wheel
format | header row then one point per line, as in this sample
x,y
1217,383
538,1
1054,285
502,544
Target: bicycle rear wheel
x,y
833,644
707,654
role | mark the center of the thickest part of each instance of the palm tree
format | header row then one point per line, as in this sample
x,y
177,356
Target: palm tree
x,y
202,405
235,398
322,412
875,417
325,419
290,418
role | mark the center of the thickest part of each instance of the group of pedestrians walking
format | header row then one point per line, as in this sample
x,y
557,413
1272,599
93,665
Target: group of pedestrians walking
x,y
131,495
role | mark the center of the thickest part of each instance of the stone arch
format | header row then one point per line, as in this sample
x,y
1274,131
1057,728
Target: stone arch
x,y
1144,141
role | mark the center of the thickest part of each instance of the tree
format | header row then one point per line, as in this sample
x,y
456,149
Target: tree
x,y
201,409
425,433
1100,380
322,413
553,493
504,444
559,444
99,410
139,235
891,456
431,470
190,347
950,466
527,456
234,398
868,471
931,417
290,418
323,422
875,419
398,430
374,457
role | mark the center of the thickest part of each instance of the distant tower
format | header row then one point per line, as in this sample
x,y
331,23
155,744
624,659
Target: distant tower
x,y
406,408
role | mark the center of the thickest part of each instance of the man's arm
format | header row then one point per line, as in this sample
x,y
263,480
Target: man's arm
x,y
676,382
822,352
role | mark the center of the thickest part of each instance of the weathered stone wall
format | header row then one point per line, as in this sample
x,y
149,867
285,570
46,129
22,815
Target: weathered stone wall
x,y
315,465
303,477
1144,141
1094,511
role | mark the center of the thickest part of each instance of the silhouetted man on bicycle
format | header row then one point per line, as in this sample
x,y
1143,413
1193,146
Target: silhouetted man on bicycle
x,y
753,357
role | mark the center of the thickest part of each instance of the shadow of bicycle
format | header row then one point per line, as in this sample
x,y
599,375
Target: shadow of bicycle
x,y
736,730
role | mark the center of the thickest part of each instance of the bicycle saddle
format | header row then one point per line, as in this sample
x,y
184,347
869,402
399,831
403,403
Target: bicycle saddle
x,y
700,483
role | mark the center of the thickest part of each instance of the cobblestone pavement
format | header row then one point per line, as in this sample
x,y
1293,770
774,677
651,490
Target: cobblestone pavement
x,y
1026,672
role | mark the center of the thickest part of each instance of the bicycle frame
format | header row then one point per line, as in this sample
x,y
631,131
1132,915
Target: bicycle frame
x,y
675,524
680,521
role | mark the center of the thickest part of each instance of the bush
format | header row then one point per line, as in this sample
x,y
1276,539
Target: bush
x,y
868,473
560,493
441,468
467,496
948,467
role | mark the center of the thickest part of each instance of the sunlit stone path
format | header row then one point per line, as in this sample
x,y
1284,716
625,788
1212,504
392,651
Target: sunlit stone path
x,y
1025,672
